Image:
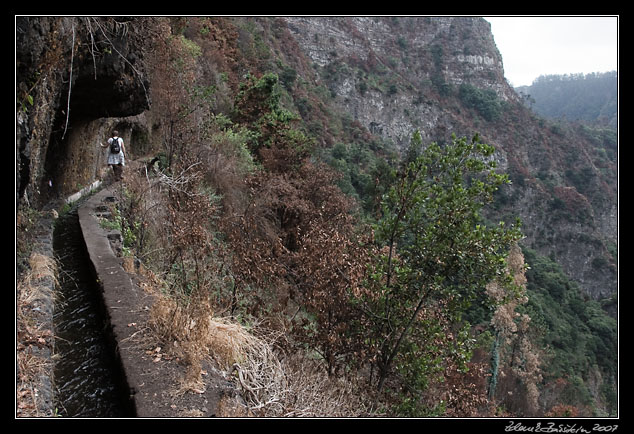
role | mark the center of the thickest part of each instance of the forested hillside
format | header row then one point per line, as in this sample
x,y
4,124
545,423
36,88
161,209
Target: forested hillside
x,y
591,98
367,197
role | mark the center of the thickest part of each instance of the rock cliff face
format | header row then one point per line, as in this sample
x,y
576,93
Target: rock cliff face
x,y
386,72
76,79
444,75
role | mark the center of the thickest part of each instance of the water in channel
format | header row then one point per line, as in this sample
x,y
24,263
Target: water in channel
x,y
85,368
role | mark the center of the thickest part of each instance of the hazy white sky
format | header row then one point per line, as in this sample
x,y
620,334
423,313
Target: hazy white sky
x,y
534,46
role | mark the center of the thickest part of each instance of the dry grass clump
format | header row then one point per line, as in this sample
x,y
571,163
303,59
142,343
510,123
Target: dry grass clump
x,y
33,332
312,393
292,387
195,335
41,269
259,374
184,328
267,385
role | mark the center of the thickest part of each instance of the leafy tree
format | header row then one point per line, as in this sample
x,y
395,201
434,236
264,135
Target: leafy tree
x,y
414,148
436,258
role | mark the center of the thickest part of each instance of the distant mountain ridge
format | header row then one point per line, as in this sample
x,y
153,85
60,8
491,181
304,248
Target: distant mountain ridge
x,y
591,98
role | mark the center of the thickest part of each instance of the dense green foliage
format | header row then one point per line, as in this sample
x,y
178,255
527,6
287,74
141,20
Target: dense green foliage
x,y
576,332
484,101
365,174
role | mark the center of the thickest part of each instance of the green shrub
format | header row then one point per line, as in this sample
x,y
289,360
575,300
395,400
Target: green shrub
x,y
484,101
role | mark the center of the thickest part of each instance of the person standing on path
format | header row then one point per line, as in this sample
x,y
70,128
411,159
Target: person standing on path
x,y
116,154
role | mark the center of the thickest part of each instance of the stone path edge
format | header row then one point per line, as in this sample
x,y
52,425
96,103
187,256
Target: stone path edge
x,y
148,385
121,299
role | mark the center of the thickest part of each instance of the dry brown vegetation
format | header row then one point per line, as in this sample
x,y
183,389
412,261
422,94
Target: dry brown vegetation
x,y
204,285
228,234
256,252
33,334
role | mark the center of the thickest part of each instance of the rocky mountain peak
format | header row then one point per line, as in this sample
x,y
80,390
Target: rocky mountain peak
x,y
386,72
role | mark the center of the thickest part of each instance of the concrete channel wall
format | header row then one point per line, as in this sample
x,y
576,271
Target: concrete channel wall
x,y
120,297
148,385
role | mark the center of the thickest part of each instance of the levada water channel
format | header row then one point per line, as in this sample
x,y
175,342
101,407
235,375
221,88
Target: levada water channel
x,y
86,372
